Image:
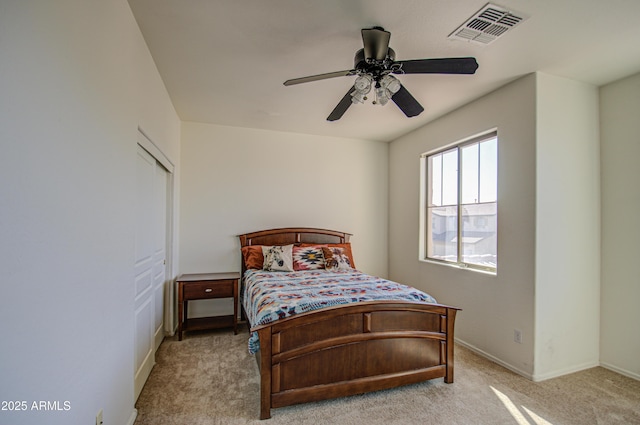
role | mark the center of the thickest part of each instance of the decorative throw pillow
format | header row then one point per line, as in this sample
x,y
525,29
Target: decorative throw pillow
x,y
253,257
307,258
335,259
278,258
346,246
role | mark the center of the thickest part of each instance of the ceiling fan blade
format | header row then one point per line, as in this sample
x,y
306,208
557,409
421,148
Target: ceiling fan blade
x,y
341,107
319,77
438,66
407,103
376,43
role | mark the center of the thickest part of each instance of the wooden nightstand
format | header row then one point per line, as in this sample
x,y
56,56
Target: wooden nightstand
x,y
206,286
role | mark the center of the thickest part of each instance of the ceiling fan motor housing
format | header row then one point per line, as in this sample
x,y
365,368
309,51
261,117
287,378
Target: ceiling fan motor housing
x,y
359,61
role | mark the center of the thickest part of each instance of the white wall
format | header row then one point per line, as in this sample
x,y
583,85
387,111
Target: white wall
x,y
76,82
492,305
547,284
237,180
567,227
620,133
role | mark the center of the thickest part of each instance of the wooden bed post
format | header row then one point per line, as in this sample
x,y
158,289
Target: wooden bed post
x,y
265,372
451,319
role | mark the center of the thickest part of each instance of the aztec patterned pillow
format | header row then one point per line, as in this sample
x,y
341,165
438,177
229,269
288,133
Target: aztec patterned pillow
x,y
278,258
335,259
345,246
307,258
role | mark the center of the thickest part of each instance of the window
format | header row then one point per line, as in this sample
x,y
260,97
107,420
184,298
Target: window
x,y
459,204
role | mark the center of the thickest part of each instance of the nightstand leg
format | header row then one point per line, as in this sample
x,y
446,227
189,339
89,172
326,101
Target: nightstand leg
x,y
180,311
235,308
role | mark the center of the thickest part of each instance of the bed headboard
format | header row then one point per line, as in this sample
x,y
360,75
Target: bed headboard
x,y
292,235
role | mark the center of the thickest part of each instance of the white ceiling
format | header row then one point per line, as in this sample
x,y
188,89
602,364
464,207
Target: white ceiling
x,y
224,61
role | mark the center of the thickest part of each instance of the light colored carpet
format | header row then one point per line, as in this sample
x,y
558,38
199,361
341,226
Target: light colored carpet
x,y
209,378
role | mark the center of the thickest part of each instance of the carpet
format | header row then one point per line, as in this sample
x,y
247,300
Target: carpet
x,y
209,378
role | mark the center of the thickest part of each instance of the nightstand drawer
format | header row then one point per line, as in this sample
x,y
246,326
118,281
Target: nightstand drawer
x,y
210,289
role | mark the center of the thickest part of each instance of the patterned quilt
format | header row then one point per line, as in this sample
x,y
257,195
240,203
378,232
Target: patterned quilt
x,y
269,296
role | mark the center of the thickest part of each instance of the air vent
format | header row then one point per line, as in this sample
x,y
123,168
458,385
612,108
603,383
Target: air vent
x,y
488,24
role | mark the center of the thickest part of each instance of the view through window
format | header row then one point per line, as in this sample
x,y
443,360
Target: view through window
x,y
460,204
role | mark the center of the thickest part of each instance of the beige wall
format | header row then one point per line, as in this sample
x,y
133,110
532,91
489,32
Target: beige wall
x,y
620,133
547,284
492,305
567,312
77,80
238,180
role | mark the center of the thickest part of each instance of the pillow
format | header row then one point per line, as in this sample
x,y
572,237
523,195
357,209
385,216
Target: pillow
x,y
253,257
278,258
335,259
307,258
345,246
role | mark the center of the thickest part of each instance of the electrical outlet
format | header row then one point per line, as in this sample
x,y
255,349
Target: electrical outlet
x,y
99,417
517,336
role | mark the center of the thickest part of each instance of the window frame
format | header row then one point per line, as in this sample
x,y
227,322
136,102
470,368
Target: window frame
x,y
425,190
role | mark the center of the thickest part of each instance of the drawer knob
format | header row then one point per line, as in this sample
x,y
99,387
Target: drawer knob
x,y
208,290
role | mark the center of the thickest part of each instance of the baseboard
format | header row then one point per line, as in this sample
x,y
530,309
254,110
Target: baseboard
x,y
133,417
567,371
539,378
171,330
494,359
621,371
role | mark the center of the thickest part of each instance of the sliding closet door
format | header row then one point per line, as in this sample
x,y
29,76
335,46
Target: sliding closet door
x,y
150,254
159,251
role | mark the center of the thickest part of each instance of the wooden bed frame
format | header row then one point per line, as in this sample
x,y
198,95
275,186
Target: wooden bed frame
x,y
350,349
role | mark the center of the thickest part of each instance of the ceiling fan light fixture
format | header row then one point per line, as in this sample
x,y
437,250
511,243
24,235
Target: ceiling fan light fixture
x,y
363,83
390,83
358,96
386,88
382,96
362,87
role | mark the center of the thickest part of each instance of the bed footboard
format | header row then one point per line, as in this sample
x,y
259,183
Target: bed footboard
x,y
353,349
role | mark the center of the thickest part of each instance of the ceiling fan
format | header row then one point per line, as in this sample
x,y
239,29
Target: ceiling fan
x,y
373,66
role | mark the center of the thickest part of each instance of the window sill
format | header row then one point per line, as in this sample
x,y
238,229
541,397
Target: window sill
x,y
460,267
